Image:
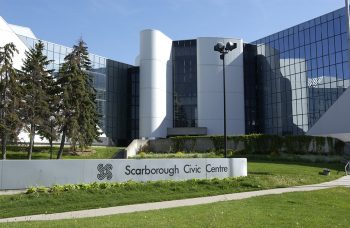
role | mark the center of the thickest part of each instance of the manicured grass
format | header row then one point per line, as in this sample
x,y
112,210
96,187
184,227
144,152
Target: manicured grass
x,y
323,208
43,152
262,175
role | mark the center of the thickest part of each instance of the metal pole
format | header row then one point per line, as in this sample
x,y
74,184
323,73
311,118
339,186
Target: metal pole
x,y
51,141
224,86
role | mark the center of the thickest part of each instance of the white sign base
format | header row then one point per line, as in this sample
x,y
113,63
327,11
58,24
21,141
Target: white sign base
x,y
20,174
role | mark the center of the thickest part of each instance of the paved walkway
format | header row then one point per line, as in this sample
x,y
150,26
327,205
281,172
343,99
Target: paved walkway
x,y
12,192
343,181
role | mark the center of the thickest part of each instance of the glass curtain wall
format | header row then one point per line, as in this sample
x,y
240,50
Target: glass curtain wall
x,y
133,102
185,83
300,73
122,102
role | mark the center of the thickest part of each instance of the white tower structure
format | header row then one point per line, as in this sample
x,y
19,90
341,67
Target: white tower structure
x,y
155,84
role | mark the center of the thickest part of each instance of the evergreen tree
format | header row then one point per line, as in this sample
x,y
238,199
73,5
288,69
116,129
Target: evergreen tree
x,y
10,93
49,128
37,81
78,111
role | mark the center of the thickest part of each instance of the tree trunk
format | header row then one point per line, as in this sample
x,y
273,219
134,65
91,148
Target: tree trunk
x,y
63,140
3,134
51,146
74,146
31,142
3,146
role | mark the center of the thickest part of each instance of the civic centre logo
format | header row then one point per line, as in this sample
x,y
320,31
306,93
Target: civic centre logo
x,y
105,171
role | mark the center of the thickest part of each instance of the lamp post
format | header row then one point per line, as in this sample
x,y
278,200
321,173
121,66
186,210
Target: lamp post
x,y
52,120
223,50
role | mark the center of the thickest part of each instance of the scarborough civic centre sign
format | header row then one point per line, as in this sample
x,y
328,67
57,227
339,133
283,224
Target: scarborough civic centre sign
x,y
16,174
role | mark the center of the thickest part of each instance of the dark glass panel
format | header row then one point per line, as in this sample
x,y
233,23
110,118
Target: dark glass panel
x,y
319,49
330,16
313,50
345,55
332,70
307,36
308,52
318,30
324,31
330,28
312,34
326,60
343,25
325,47
331,45
339,71
337,43
344,41
338,57
336,26
185,83
346,70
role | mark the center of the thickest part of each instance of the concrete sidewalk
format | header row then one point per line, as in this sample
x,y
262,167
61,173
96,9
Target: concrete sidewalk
x,y
12,192
343,181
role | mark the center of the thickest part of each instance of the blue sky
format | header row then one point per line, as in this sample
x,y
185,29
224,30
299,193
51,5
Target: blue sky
x,y
111,27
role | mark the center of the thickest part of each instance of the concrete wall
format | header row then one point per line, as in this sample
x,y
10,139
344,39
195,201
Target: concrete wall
x,y
210,87
135,146
17,174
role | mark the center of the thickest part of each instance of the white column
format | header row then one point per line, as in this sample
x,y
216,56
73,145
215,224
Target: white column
x,y
155,84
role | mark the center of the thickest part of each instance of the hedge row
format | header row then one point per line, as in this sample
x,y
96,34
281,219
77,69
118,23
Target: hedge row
x,y
264,144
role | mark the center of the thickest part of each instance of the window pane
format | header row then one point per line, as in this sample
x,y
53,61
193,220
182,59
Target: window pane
x,y
330,28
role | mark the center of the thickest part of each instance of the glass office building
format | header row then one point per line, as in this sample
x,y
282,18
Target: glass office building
x,y
281,84
292,77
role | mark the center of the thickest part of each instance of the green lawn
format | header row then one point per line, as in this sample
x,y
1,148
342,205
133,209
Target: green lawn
x,y
262,175
43,152
323,208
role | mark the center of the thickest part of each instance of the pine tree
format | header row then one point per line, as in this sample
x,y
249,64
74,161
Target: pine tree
x,y
36,80
89,116
10,93
78,111
49,128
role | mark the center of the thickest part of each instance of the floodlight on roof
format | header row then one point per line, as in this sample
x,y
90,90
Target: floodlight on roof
x,y
230,46
219,47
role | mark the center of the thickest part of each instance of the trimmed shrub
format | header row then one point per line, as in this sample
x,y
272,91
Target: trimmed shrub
x,y
263,144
